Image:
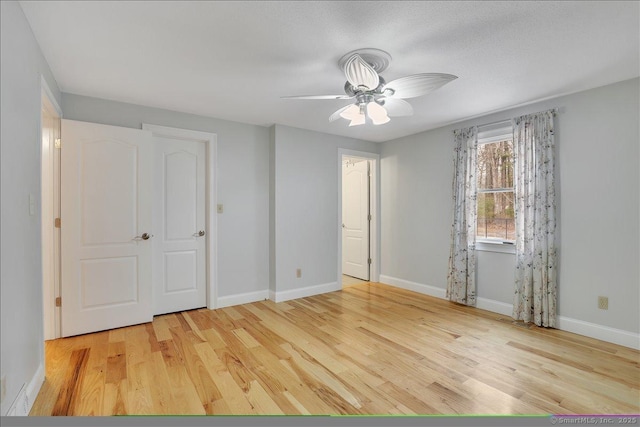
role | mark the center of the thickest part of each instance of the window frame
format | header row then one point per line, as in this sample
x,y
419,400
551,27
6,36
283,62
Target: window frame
x,y
494,244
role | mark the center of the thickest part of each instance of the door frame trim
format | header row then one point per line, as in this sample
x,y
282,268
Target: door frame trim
x,y
211,198
374,209
50,282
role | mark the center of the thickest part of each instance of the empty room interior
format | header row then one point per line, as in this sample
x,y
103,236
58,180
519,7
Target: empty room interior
x,y
320,208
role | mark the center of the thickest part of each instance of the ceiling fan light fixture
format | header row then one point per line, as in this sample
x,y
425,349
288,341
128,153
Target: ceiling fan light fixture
x,y
357,120
375,99
351,112
377,113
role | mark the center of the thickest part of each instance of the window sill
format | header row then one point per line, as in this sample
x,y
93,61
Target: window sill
x,y
495,246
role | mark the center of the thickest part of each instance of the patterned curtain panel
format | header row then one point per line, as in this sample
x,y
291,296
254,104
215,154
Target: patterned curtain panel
x,y
461,282
535,218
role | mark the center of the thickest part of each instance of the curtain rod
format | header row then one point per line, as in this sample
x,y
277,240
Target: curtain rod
x,y
553,110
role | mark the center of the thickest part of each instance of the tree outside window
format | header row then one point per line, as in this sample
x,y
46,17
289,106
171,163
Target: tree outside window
x,y
495,191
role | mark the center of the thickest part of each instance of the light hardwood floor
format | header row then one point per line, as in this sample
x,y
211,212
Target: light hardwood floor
x,y
368,349
350,281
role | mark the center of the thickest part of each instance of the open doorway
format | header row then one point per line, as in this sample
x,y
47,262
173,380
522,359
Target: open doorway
x,y
356,218
50,211
358,226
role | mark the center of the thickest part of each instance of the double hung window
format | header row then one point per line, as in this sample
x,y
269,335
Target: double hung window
x,y
495,190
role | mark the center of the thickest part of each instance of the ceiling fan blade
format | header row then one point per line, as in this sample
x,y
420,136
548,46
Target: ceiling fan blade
x,y
335,116
417,84
317,97
397,107
360,73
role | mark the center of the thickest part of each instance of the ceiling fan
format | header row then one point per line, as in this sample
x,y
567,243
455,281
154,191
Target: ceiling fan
x,y
375,99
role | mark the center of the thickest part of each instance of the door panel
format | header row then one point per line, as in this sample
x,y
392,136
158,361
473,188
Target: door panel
x,y
355,219
101,192
179,251
108,282
106,192
180,194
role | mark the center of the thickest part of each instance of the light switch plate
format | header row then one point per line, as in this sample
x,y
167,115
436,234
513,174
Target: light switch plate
x,y
220,208
32,204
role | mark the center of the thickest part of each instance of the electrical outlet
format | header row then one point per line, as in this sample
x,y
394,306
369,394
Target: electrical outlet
x,y
603,303
299,273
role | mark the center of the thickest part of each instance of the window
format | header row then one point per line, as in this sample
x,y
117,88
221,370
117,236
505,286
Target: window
x,y
495,196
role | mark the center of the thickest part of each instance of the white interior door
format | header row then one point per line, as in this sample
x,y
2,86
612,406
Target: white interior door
x,y
106,204
179,225
355,219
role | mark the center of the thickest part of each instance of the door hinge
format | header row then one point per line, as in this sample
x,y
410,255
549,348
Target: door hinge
x,y
58,301
56,223
369,217
57,143
369,261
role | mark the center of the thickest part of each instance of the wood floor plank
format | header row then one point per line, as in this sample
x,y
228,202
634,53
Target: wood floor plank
x,y
163,401
70,391
161,328
92,390
368,349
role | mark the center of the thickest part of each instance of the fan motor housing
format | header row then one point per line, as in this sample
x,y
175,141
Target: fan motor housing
x,y
350,90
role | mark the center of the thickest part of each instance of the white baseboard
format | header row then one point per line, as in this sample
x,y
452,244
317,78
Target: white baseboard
x,y
245,298
34,387
413,286
272,295
23,403
600,332
305,292
580,327
494,306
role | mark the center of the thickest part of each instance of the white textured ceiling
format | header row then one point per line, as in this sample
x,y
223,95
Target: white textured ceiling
x,y
234,60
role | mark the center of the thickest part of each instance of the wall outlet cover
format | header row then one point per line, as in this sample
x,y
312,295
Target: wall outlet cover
x,y
603,303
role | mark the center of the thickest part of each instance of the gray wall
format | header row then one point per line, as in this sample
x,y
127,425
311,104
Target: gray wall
x,y
597,137
306,205
243,183
22,65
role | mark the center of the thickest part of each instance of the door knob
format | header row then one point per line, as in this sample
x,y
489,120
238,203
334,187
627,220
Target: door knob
x,y
199,233
145,236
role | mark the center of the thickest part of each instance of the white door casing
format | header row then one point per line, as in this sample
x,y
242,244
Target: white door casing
x,y
106,206
50,209
179,264
355,219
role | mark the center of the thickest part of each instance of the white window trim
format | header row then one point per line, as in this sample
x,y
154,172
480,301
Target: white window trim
x,y
504,247
495,245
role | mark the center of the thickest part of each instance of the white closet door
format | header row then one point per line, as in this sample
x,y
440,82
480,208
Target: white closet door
x,y
355,219
179,225
106,202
